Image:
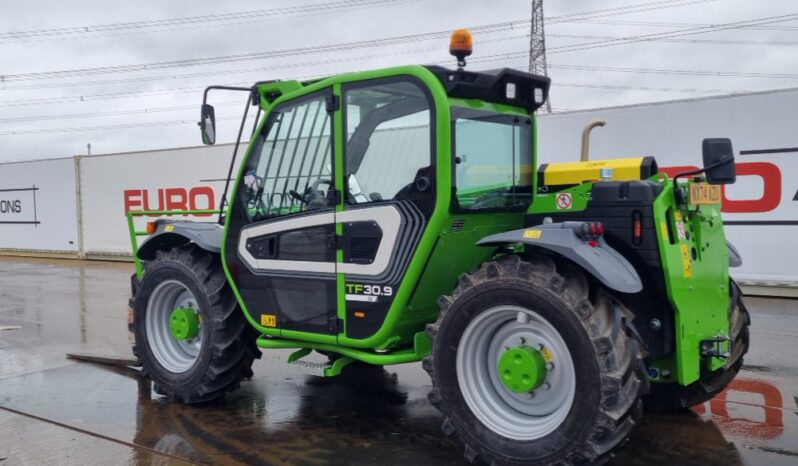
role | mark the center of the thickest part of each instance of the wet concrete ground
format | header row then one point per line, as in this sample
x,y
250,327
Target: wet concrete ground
x,y
57,411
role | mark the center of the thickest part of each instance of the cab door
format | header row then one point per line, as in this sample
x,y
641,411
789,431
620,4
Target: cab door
x,y
281,239
389,177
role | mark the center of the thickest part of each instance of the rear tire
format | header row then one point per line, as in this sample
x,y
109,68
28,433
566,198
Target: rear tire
x,y
587,332
674,397
220,356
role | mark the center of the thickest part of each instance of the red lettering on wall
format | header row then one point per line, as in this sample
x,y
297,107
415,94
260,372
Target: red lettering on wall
x,y
132,199
196,198
771,178
201,198
176,199
771,194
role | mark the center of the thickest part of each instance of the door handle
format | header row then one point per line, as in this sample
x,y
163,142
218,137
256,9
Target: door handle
x,y
263,248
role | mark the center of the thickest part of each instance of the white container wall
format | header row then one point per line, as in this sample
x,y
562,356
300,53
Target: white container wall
x,y
172,179
38,206
760,209
39,202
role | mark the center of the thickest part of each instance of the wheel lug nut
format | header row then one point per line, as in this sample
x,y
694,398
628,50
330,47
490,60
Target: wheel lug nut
x,y
546,386
549,365
531,394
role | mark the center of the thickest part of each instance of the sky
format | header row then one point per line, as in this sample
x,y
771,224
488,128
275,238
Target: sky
x,y
73,73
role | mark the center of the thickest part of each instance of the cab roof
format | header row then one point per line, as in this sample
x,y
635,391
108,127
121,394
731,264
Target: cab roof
x,y
502,86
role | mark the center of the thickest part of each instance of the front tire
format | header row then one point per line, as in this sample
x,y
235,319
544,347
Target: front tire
x,y
589,398
221,352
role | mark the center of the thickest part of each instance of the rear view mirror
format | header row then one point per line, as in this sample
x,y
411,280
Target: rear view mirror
x,y
208,124
718,161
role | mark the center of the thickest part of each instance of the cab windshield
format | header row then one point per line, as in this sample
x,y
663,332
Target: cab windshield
x,y
493,160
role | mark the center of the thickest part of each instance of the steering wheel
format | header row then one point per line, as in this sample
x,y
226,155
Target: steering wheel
x,y
312,198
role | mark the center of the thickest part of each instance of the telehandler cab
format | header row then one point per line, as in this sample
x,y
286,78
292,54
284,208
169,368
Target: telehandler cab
x,y
396,216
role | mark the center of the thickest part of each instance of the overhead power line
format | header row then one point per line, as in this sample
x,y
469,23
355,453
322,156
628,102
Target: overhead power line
x,y
156,92
679,33
147,111
506,57
736,74
336,47
314,63
623,10
239,17
107,127
679,25
651,89
686,41
308,50
170,24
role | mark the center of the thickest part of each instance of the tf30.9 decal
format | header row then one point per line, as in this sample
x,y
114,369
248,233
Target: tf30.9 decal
x,y
367,293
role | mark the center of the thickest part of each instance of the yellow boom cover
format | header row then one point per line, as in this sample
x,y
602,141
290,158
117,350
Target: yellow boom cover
x,y
572,173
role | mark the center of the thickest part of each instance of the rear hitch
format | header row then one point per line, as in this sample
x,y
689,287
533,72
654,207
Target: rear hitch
x,y
713,347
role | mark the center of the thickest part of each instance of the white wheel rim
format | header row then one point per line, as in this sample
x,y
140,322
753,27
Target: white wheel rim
x,y
517,416
176,356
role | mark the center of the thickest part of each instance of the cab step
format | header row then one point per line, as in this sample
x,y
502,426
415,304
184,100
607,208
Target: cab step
x,y
324,369
319,367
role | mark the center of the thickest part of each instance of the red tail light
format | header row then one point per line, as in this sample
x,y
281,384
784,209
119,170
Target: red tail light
x,y
591,231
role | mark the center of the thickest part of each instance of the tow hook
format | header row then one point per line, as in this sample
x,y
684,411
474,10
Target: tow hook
x,y
714,347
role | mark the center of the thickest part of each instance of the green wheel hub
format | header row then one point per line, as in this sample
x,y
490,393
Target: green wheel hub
x,y
184,323
522,369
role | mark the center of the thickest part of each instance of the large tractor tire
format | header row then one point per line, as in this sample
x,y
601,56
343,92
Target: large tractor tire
x,y
190,335
673,397
533,364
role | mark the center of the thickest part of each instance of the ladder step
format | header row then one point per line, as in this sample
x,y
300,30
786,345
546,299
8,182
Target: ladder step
x,y
314,366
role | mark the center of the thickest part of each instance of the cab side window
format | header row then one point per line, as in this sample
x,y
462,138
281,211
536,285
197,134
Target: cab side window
x,y
290,169
388,143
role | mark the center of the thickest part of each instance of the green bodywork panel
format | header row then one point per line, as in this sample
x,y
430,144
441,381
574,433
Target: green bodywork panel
x,y
696,268
454,253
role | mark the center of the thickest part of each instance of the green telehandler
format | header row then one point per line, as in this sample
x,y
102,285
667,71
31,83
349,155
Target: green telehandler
x,y
397,216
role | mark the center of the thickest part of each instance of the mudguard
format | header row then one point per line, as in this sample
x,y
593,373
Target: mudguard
x,y
600,260
171,233
735,259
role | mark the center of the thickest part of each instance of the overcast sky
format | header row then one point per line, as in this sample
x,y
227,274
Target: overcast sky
x,y
45,114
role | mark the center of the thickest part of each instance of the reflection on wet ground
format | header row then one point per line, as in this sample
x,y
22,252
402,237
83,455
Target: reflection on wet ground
x,y
56,411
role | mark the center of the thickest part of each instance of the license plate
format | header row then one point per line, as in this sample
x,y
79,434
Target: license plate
x,y
704,193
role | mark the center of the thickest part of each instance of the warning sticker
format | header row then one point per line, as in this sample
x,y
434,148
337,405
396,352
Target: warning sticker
x,y
268,320
687,265
547,354
680,230
564,201
664,230
533,233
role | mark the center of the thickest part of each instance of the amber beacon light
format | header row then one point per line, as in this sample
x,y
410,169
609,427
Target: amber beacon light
x,y
461,45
